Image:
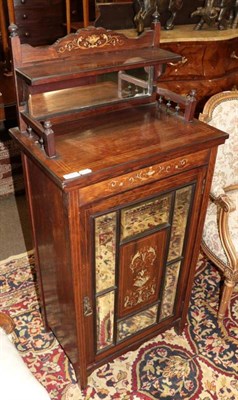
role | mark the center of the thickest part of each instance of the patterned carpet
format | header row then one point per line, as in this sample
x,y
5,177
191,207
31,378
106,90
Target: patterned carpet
x,y
201,364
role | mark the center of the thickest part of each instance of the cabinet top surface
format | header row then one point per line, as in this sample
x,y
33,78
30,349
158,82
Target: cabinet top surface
x,y
119,141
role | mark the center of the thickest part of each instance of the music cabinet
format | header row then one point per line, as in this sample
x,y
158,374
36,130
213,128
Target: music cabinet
x,y
117,186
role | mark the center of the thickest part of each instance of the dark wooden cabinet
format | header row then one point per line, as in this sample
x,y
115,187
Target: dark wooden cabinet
x,y
117,189
209,61
41,22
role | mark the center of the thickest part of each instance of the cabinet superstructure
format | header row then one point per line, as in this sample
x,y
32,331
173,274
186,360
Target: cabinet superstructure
x,y
117,189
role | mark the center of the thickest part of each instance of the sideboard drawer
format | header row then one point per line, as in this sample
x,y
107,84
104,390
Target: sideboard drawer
x,y
232,56
28,3
191,64
39,24
209,62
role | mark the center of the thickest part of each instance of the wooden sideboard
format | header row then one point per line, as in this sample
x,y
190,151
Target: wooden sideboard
x,y
40,22
209,61
117,186
2,112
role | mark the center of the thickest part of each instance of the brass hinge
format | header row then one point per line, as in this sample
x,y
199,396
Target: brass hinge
x,y
87,309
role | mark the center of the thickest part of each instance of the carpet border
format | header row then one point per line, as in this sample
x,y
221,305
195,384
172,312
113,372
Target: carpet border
x,y
16,256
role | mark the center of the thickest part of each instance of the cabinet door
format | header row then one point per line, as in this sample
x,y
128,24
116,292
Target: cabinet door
x,y
140,244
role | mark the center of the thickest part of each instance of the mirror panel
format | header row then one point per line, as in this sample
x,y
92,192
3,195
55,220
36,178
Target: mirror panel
x,y
99,90
137,322
105,251
145,216
105,320
181,210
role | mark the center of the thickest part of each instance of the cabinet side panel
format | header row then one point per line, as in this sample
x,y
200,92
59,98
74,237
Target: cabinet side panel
x,y
49,214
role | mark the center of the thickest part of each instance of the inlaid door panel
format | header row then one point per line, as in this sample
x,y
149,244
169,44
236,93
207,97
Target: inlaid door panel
x,y
138,253
141,263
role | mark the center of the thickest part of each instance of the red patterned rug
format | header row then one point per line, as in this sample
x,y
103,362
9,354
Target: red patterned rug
x,y
201,364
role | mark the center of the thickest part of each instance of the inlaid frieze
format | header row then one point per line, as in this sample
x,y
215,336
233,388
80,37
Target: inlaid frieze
x,y
86,39
90,42
144,175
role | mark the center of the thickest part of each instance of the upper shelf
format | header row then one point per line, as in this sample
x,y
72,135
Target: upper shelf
x,y
92,64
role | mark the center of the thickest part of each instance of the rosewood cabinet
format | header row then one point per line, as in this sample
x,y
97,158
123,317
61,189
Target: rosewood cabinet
x,y
117,187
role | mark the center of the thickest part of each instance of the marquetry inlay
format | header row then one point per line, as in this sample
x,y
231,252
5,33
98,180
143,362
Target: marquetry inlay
x,y
140,266
146,174
91,41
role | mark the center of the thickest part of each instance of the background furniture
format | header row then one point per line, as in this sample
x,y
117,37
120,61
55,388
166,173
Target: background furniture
x,y
209,61
220,235
42,21
117,186
39,22
2,112
210,58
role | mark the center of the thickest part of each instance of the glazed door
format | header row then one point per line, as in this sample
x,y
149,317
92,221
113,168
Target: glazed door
x,y
139,256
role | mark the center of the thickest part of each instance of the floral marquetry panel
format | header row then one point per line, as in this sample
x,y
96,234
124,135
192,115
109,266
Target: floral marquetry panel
x,y
137,322
105,320
180,219
170,288
145,216
141,263
105,244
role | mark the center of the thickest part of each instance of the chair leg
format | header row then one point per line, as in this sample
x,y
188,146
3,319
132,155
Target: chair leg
x,y
225,298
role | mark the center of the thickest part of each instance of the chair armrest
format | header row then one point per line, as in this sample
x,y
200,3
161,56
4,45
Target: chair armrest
x,y
225,206
224,202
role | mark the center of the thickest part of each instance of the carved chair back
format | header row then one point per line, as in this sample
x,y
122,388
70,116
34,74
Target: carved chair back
x,y
220,233
221,111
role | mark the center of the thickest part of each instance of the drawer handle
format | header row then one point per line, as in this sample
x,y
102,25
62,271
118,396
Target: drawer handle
x,y
233,55
87,309
23,1
27,34
181,62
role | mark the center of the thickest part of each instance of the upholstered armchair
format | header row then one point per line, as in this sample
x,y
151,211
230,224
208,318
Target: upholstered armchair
x,y
220,235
